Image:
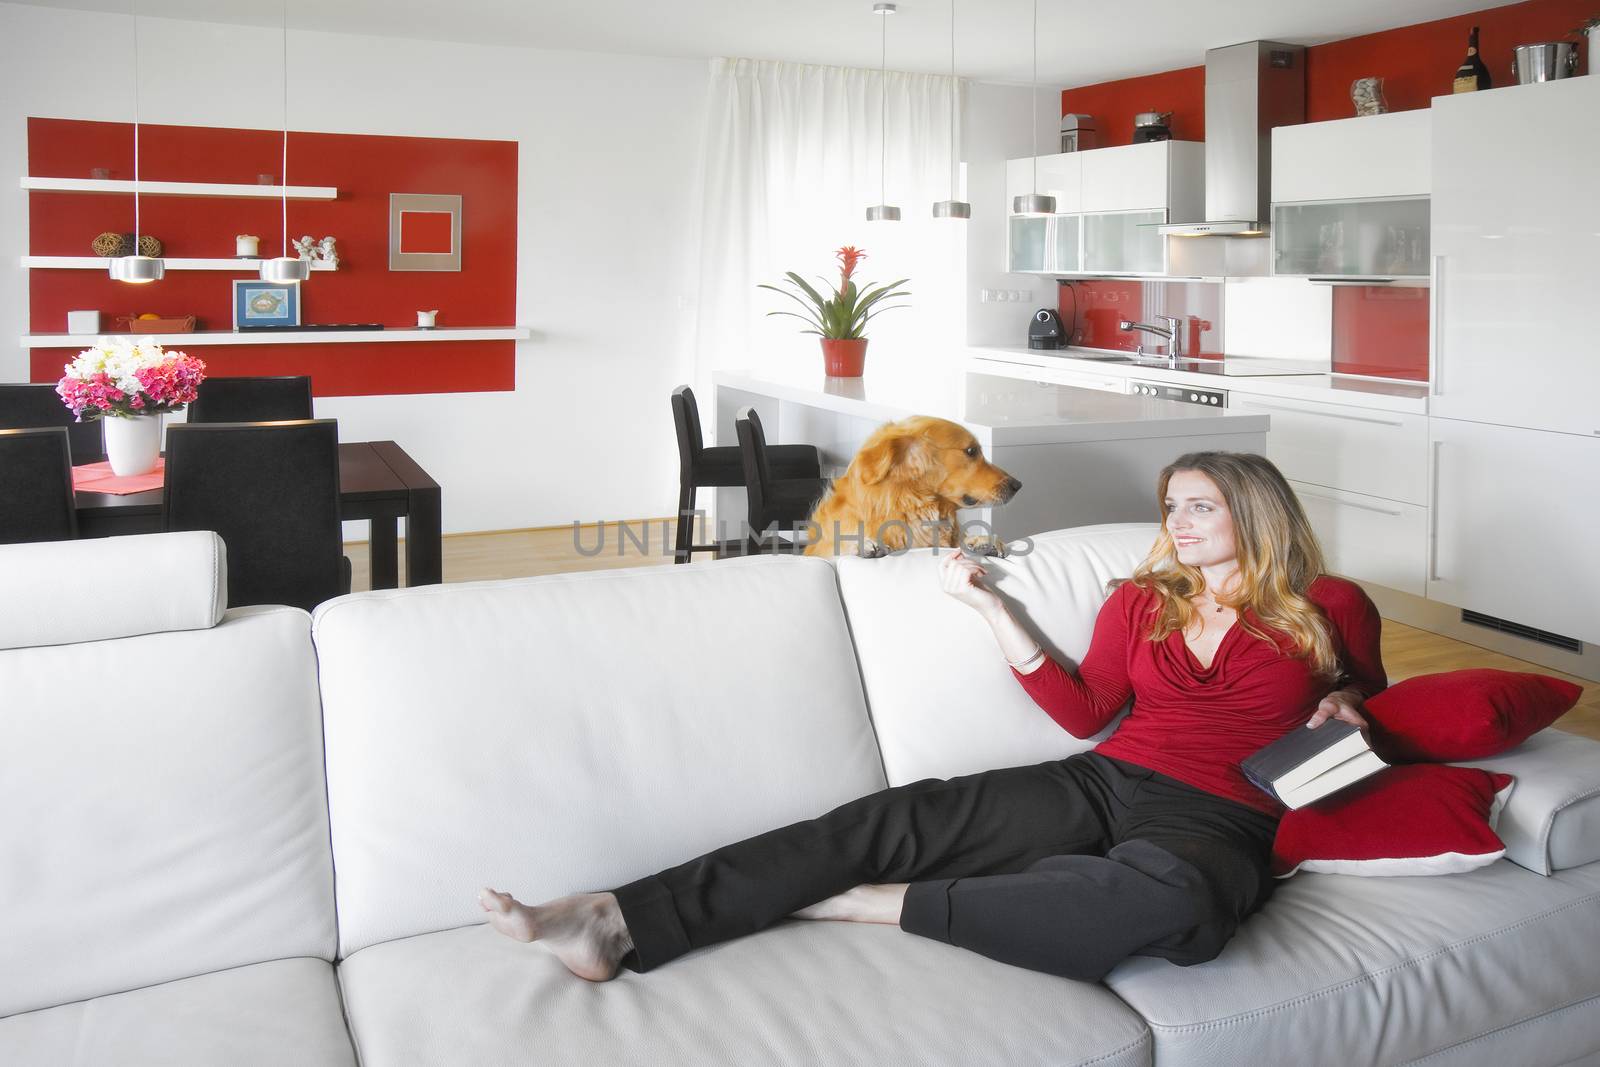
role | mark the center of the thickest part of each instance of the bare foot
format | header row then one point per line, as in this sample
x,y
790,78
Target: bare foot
x,y
584,931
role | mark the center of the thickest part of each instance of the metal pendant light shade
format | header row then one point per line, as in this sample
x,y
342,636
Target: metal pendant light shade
x,y
138,269
882,212
953,208
1033,204
285,269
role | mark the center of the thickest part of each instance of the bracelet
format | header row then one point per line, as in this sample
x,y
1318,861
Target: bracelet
x,y
1038,654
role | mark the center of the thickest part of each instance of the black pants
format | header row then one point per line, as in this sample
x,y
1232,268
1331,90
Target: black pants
x,y
1066,867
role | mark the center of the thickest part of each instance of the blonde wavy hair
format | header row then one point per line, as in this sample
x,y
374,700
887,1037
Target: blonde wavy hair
x,y
1277,552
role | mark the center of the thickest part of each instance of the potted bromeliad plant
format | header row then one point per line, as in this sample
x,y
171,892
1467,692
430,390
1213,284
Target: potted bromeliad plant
x,y
841,317
130,386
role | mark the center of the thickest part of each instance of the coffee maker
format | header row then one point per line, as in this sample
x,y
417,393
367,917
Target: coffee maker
x,y
1045,330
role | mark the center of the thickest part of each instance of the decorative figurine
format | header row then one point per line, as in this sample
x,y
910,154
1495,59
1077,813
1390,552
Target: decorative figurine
x,y
1367,95
324,251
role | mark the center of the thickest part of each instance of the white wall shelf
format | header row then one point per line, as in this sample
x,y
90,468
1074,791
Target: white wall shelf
x,y
241,266
285,337
123,185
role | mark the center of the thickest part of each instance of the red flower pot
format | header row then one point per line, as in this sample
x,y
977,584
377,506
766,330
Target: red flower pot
x,y
844,357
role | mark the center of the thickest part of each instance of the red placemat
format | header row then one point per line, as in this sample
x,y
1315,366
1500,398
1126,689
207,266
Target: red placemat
x,y
97,478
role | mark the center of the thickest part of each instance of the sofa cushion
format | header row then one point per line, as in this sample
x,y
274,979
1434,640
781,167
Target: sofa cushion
x,y
1338,970
164,808
1463,715
1420,818
798,994
1552,821
577,731
266,1014
943,701
56,592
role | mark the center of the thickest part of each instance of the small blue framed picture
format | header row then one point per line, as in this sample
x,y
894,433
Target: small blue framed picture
x,y
259,303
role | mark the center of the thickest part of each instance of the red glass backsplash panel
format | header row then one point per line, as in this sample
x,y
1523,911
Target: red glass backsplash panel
x,y
1380,330
1092,310
365,169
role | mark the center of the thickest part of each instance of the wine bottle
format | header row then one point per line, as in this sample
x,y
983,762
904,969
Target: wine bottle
x,y
1472,74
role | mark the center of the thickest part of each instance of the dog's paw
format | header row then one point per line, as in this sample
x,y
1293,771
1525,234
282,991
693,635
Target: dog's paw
x,y
985,545
871,549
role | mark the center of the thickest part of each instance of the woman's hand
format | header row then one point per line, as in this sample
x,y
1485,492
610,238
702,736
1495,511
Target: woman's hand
x,y
1344,705
961,576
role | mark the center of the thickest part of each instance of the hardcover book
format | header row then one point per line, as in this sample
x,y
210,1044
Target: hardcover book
x,y
1306,765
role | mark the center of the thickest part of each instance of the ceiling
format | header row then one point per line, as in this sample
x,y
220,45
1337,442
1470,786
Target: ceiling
x,y
1080,41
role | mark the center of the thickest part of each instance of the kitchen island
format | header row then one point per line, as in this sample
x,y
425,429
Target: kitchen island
x,y
1083,456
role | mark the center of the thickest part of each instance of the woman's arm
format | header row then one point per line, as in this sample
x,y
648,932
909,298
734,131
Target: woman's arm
x,y
1081,703
1359,629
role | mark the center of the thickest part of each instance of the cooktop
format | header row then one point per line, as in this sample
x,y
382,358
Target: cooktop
x,y
1228,368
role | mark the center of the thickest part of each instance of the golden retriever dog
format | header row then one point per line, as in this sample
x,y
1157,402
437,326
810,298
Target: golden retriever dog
x,y
903,489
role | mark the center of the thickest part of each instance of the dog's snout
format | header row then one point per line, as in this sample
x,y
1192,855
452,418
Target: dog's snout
x,y
1012,485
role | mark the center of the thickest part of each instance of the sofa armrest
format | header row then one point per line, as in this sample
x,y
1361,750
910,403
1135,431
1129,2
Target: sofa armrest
x,y
1552,820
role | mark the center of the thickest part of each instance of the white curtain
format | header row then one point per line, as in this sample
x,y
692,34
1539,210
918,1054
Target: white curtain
x,y
792,158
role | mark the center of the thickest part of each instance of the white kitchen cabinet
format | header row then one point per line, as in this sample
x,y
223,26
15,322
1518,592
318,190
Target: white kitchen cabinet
x,y
1366,537
1358,450
1109,202
1354,159
1157,176
1514,515
1516,242
1124,242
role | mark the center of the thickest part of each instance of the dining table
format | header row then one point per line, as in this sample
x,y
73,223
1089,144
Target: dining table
x,y
378,483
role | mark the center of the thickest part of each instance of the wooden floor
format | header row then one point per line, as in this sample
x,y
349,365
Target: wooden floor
x,y
1407,651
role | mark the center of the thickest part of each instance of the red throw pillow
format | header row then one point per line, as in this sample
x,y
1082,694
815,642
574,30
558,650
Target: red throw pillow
x,y
1465,715
1420,819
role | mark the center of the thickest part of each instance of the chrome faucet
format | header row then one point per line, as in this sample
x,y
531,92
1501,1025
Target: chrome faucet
x,y
1171,333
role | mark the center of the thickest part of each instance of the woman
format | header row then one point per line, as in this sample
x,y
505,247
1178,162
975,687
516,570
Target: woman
x,y
1228,636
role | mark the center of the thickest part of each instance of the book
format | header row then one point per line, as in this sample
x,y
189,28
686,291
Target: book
x,y
1306,765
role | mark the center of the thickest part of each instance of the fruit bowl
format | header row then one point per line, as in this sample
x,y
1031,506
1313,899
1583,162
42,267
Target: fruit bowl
x,y
140,324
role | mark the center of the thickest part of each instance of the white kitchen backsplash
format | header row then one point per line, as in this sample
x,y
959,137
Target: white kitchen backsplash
x,y
1278,318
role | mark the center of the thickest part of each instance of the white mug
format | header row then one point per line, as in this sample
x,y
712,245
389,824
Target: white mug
x,y
425,319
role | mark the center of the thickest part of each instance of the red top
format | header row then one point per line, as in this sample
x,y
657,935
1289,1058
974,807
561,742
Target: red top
x,y
1196,723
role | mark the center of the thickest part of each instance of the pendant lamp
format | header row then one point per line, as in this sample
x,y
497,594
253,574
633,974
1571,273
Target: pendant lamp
x,y
953,208
136,269
1033,203
882,211
285,268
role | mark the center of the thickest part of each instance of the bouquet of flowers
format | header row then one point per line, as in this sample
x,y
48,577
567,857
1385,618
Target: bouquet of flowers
x,y
121,379
844,313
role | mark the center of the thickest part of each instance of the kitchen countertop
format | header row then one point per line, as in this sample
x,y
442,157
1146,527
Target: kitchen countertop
x,y
1411,397
998,410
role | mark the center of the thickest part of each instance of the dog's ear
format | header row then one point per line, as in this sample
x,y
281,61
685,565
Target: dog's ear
x,y
876,462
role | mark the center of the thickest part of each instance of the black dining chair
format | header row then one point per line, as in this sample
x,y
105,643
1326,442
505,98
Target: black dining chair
x,y
271,490
36,486
700,467
774,501
276,399
25,407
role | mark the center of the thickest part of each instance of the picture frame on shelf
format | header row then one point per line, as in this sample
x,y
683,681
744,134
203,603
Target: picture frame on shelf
x,y
424,231
259,303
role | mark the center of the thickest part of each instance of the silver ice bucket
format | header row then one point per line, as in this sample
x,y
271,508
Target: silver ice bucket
x,y
1544,62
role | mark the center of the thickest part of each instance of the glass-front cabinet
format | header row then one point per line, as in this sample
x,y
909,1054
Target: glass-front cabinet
x,y
1376,239
1124,242
1044,244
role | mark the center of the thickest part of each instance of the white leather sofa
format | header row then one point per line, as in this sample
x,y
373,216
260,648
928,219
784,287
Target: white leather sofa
x,y
254,837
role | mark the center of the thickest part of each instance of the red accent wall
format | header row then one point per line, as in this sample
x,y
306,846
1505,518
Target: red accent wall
x,y
365,169
1416,63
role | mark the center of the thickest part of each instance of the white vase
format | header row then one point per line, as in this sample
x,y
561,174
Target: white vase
x,y
133,445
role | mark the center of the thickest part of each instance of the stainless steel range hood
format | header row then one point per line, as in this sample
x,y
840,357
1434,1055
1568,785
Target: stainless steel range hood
x,y
1250,88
